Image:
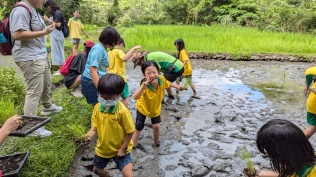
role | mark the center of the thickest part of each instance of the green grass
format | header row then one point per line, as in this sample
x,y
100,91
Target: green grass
x,y
53,155
210,39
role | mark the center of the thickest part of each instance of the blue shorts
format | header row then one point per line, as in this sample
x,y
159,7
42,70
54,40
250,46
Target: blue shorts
x,y
121,162
89,90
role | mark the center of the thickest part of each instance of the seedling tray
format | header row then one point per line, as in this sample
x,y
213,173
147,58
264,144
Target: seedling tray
x,y
29,124
11,165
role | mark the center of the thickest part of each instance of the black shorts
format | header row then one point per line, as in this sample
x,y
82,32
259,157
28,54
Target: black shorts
x,y
172,76
140,120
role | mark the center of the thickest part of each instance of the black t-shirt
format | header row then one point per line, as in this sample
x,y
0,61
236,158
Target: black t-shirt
x,y
58,17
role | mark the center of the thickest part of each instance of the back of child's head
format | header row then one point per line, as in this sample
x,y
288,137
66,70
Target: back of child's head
x,y
121,41
111,84
147,64
180,43
109,36
286,146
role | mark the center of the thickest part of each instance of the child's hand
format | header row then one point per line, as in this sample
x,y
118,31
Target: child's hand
x,y
147,82
121,152
180,88
87,35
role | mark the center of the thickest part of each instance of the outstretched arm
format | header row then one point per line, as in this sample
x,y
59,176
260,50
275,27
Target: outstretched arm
x,y
129,54
178,87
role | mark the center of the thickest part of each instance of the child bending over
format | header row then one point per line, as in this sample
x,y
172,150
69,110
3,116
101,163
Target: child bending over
x,y
113,123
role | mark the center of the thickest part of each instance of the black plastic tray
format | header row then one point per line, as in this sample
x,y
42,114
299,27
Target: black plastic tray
x,y
23,133
15,172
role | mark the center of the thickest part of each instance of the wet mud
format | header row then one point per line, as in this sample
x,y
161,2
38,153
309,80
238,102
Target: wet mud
x,y
203,137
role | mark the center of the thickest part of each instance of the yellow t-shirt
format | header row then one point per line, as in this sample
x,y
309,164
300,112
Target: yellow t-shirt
x,y
149,103
311,101
305,172
311,70
183,56
75,27
117,65
112,126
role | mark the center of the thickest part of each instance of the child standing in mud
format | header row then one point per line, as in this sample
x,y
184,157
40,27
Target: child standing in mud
x,y
184,58
149,97
311,110
117,65
113,123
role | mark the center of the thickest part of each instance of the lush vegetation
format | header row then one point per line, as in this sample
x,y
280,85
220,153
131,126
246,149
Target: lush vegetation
x,y
210,39
278,15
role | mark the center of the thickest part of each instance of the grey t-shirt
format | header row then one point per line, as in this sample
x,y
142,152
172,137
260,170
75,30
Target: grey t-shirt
x,y
30,49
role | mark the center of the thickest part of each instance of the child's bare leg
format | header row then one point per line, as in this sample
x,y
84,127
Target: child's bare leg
x,y
193,88
169,91
156,128
136,137
101,172
125,101
309,131
178,84
76,83
127,171
75,49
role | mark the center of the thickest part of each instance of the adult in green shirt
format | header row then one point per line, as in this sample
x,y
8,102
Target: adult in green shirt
x,y
170,66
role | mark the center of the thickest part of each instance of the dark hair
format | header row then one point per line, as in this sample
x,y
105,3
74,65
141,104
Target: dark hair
x,y
76,10
109,36
121,41
286,146
86,51
52,5
180,44
111,84
148,63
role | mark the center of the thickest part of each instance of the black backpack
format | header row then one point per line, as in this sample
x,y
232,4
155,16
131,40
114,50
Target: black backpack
x,y
64,28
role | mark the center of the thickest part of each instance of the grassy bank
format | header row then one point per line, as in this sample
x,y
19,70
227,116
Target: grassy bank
x,y
211,39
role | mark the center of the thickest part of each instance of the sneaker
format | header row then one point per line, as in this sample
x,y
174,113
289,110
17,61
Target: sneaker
x,y
53,108
57,73
41,132
77,92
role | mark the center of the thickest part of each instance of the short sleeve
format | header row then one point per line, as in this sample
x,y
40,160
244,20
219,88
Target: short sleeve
x,y
69,22
121,54
94,116
20,19
127,121
165,82
183,56
96,56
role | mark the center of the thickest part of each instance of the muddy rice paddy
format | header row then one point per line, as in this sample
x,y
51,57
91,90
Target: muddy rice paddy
x,y
203,137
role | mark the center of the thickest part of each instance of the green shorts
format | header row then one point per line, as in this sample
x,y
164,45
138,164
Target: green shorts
x,y
125,92
311,119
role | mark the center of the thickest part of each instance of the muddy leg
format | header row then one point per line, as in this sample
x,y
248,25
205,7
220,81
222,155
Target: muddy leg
x,y
136,137
193,88
101,172
127,171
156,128
309,131
169,91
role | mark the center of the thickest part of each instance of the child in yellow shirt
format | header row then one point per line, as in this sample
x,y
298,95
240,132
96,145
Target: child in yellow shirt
x,y
113,123
149,97
117,60
184,58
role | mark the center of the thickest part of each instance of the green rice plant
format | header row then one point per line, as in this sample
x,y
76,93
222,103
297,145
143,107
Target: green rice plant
x,y
7,110
246,156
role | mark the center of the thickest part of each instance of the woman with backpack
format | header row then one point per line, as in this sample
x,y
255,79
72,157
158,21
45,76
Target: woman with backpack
x,y
29,52
56,36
